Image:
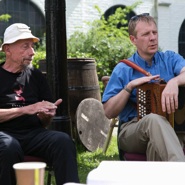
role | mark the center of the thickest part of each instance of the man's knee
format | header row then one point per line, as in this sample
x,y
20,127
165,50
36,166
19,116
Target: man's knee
x,y
63,140
10,148
155,120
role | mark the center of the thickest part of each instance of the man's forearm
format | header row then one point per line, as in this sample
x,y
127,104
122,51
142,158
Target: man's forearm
x,y
8,114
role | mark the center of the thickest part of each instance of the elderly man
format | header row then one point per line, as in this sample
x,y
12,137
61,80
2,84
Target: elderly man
x,y
26,107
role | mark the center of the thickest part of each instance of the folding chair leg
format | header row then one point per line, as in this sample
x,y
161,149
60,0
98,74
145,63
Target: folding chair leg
x,y
49,179
109,135
49,176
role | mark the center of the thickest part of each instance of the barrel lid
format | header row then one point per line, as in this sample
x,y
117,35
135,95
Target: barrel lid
x,y
92,124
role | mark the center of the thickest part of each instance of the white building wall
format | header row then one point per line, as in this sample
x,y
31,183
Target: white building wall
x,y
164,25
169,15
79,11
170,18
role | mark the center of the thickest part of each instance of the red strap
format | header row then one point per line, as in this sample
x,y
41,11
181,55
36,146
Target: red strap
x,y
135,66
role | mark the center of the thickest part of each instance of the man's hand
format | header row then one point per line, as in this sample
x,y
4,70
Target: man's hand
x,y
139,81
169,98
47,112
58,102
120,100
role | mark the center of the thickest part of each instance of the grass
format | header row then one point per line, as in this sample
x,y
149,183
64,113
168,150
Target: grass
x,y
87,160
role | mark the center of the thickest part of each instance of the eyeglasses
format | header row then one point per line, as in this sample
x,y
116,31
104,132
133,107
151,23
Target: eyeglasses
x,y
136,17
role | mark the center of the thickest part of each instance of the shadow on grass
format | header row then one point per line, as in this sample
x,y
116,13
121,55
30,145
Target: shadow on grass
x,y
87,161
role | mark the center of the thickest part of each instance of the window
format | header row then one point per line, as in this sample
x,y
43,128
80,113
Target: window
x,y
22,11
182,40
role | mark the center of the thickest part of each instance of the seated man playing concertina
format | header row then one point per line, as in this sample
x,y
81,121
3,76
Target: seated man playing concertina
x,y
151,135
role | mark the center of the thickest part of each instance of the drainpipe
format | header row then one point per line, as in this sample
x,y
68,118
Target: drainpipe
x,y
56,61
156,11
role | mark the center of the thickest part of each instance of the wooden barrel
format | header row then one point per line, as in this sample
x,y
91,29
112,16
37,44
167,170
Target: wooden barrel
x,y
82,83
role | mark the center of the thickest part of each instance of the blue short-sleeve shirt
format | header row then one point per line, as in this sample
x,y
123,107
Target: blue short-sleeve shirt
x,y
166,64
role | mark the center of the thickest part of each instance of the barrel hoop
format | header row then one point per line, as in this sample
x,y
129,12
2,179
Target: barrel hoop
x,y
84,88
79,66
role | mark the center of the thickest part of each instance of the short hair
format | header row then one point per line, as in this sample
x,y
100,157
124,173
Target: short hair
x,y
135,19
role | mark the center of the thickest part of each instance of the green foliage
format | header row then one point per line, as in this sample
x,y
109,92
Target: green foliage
x,y
107,41
104,41
2,57
40,52
5,17
39,55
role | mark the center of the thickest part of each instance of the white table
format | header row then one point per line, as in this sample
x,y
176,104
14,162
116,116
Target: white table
x,y
137,173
